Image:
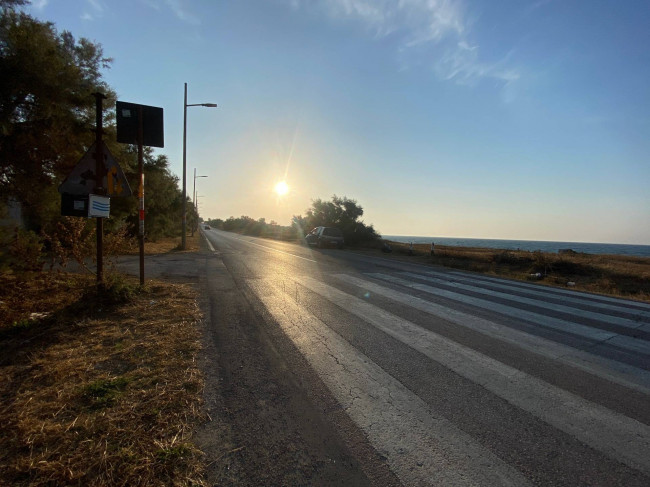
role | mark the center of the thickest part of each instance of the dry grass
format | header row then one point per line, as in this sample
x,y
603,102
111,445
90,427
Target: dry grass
x,y
165,245
614,275
101,391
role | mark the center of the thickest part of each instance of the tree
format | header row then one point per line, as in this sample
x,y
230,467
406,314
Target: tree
x,y
46,108
343,213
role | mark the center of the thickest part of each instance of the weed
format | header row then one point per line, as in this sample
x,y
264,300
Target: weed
x,y
22,324
103,393
171,454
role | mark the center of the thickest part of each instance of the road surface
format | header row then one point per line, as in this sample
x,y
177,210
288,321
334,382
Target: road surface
x,y
449,378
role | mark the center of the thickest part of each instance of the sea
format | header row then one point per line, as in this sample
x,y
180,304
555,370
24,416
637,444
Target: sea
x,y
529,245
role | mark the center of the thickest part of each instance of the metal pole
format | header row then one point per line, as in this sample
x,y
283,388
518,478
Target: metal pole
x,y
99,182
141,192
183,239
194,199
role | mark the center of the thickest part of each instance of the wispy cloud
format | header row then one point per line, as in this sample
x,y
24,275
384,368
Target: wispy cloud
x,y
438,31
180,10
94,9
40,4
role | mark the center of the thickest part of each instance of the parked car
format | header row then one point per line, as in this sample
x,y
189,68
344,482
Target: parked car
x,y
325,237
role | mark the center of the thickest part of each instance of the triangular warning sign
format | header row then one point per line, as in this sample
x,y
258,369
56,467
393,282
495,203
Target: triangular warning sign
x,y
81,180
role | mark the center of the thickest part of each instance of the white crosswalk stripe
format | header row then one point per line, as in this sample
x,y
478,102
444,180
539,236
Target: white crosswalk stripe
x,y
536,301
404,428
545,292
599,335
584,297
620,437
398,423
626,375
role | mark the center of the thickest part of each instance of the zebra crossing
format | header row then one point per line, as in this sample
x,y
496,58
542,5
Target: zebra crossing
x,y
421,445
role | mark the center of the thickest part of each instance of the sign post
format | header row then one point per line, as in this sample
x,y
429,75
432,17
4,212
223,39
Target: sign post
x,y
141,191
141,125
99,182
88,189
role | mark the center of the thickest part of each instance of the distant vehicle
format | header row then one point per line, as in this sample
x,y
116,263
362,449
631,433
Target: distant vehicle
x,y
325,237
207,227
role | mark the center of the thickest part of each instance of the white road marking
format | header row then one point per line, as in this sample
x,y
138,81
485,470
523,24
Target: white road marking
x,y
623,374
421,448
274,250
628,343
208,240
539,290
536,301
614,434
556,290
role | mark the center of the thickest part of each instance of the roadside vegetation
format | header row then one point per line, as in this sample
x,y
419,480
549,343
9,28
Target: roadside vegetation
x,y
341,212
98,386
47,112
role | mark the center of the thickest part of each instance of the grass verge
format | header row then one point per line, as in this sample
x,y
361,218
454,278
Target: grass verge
x,y
99,387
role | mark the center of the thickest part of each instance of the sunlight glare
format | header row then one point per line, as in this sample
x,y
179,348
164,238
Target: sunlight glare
x,y
282,188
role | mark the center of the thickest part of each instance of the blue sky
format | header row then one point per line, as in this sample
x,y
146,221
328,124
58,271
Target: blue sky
x,y
508,119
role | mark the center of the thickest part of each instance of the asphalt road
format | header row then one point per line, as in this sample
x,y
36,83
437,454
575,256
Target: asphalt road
x,y
453,378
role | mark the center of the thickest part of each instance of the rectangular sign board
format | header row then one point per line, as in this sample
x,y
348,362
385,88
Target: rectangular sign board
x,y
99,206
74,205
127,121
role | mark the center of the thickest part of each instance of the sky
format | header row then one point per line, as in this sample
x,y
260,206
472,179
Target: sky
x,y
507,119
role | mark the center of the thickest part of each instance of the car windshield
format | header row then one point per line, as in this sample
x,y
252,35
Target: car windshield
x,y
332,232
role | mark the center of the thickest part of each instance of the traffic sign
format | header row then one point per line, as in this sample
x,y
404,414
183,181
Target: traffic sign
x,y
81,180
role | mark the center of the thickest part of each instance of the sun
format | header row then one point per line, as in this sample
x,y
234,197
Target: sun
x,y
281,188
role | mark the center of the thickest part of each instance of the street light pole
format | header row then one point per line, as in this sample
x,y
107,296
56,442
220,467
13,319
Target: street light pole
x,y
185,105
183,243
194,200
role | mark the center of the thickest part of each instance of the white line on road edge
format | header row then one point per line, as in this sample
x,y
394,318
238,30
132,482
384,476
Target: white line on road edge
x,y
614,434
617,372
421,448
209,243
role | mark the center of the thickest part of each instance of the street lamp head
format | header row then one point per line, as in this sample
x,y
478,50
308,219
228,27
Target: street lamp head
x,y
211,105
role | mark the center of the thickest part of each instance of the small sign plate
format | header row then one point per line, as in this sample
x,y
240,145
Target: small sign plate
x,y
99,206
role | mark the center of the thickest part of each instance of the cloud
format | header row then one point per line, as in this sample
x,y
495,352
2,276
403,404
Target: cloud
x,y
418,21
95,10
40,4
435,32
178,7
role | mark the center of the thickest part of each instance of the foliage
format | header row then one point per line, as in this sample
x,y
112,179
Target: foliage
x,y
343,213
47,113
20,250
257,228
46,108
